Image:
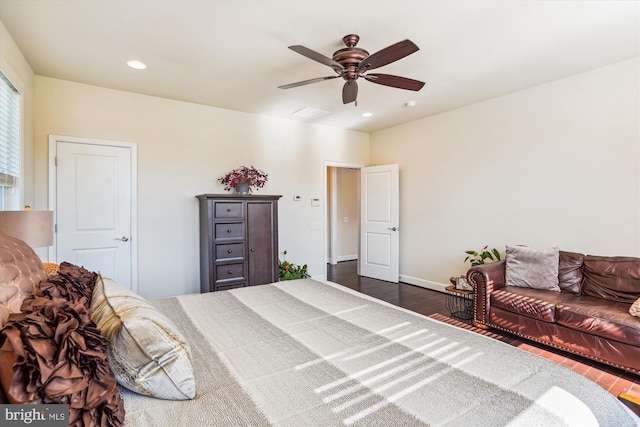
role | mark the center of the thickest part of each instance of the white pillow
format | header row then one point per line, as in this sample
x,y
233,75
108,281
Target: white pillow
x,y
146,352
634,310
532,268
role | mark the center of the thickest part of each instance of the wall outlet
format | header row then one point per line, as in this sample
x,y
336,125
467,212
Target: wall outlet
x,y
315,202
297,197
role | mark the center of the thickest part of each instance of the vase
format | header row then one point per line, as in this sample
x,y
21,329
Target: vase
x,y
242,188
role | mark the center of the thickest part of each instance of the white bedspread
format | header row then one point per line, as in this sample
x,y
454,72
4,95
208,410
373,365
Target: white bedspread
x,y
309,353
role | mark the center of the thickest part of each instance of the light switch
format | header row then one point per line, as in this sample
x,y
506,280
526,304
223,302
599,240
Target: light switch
x,y
297,197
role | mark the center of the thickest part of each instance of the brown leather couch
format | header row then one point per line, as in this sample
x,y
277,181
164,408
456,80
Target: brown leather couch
x,y
589,316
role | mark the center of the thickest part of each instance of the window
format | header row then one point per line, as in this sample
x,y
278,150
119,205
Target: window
x,y
9,144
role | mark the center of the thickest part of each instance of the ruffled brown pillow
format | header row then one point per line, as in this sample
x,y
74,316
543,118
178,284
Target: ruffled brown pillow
x,y
52,352
72,283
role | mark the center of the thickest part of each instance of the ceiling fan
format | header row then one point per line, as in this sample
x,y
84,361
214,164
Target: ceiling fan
x,y
353,62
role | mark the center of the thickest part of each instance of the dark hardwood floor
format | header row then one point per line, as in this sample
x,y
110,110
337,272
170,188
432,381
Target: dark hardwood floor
x,y
414,298
433,304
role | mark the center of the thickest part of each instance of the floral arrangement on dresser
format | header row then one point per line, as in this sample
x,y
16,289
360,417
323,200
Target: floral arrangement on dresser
x,y
252,177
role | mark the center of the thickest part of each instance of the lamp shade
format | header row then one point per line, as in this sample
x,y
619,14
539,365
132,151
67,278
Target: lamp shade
x,y
35,228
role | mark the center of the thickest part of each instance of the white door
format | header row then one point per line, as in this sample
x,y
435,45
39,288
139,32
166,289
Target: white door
x,y
379,222
94,206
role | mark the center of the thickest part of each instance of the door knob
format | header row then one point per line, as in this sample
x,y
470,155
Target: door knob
x,y
393,228
123,239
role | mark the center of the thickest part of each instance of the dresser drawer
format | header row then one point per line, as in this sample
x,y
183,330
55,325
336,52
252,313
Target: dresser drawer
x,y
230,286
231,230
228,210
229,250
228,272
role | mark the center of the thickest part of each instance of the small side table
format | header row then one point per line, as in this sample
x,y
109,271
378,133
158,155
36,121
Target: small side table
x,y
459,302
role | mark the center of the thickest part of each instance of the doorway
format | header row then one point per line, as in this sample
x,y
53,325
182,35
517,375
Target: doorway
x,y
342,214
92,192
371,234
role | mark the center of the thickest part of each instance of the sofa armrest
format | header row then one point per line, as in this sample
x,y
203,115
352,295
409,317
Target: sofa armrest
x,y
485,279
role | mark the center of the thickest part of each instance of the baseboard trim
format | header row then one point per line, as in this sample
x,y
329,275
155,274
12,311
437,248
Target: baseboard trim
x,y
428,284
348,257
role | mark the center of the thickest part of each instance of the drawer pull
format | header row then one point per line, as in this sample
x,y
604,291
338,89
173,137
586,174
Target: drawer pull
x,y
253,250
228,209
229,231
230,271
229,251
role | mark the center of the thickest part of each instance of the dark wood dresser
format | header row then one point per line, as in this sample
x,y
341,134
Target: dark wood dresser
x,y
238,241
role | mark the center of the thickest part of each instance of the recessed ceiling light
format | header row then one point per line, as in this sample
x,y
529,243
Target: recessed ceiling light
x,y
136,64
410,103
367,114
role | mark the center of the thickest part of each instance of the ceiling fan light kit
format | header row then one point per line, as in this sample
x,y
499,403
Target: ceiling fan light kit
x,y
351,63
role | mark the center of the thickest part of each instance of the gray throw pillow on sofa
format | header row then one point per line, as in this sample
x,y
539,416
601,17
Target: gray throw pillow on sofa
x,y
532,268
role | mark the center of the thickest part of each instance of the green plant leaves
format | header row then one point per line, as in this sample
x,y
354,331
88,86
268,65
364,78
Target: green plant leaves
x,y
289,271
478,258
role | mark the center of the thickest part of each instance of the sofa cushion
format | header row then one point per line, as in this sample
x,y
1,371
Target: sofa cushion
x,y
532,268
146,352
600,317
612,278
570,271
534,303
20,270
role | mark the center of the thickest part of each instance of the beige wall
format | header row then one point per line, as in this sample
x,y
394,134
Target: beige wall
x,y
557,164
553,165
182,149
15,67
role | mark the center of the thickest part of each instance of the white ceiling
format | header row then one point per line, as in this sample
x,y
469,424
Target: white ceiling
x,y
233,54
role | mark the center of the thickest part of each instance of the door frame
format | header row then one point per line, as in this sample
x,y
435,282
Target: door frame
x,y
53,187
332,218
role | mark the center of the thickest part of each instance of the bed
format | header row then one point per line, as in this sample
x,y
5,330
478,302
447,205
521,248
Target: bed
x,y
314,353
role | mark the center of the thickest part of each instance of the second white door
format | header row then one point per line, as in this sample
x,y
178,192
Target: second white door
x,y
380,214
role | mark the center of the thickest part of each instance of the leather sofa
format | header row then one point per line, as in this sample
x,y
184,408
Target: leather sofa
x,y
589,316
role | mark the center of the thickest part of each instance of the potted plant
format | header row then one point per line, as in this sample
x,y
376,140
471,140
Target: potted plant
x,y
289,271
478,258
243,179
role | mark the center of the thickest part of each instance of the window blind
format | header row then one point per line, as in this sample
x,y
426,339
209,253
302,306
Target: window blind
x,y
9,133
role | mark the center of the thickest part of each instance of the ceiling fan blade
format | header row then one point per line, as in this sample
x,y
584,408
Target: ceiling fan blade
x,y
349,91
307,82
388,55
311,54
394,81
